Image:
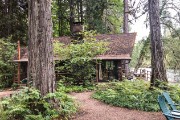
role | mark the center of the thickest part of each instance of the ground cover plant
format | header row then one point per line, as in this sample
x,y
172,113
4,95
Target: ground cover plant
x,y
75,88
133,95
28,104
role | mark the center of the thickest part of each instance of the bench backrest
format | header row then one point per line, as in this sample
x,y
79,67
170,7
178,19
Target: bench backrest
x,y
169,100
163,105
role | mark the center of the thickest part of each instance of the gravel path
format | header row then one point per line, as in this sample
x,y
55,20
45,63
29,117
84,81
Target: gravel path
x,y
91,109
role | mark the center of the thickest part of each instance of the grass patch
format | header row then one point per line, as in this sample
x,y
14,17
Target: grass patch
x,y
133,95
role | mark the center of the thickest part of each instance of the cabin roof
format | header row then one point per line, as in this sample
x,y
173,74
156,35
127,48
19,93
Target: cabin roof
x,y
120,46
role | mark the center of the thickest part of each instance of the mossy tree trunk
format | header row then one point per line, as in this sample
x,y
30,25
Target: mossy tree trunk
x,y
157,54
40,54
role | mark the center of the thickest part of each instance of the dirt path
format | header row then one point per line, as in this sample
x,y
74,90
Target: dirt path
x,y
91,109
6,93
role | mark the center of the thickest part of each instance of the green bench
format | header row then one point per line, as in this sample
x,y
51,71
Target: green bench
x,y
170,101
164,106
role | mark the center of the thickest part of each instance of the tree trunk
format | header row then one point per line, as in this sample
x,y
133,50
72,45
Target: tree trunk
x,y
157,53
126,9
71,4
40,54
59,18
126,30
143,53
81,10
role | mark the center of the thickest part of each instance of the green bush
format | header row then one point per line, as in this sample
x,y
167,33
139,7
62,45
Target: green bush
x,y
133,95
77,59
28,104
7,68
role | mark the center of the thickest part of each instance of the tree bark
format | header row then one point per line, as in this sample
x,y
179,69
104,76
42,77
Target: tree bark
x,y
126,30
40,49
59,18
81,11
71,4
157,53
126,9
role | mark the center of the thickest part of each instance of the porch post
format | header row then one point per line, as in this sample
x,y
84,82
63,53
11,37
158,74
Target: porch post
x,y
100,71
120,71
97,72
126,68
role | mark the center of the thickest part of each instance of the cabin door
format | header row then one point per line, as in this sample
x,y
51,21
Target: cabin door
x,y
109,70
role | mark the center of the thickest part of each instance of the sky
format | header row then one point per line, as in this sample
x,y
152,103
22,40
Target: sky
x,y
140,27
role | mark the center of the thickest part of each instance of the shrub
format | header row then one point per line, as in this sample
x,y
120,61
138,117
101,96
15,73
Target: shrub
x,y
133,95
28,104
77,59
7,70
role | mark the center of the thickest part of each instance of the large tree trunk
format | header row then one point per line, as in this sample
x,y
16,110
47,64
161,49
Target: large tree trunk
x,y
157,54
126,30
40,57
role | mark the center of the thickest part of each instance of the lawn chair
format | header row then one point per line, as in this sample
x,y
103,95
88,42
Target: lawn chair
x,y
170,102
170,115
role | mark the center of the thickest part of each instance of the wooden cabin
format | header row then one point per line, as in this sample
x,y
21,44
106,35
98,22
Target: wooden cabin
x,y
113,61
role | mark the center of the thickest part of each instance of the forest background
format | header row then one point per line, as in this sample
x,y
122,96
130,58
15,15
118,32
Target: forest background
x,y
102,16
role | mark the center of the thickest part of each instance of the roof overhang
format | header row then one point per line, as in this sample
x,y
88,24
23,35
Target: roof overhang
x,y
112,57
21,60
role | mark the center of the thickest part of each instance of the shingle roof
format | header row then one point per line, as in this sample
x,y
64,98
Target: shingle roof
x,y
120,46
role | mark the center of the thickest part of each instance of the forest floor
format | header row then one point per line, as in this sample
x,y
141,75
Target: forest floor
x,y
91,109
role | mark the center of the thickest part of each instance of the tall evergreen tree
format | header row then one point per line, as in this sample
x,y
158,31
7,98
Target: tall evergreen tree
x,y
13,20
40,57
126,30
157,53
126,12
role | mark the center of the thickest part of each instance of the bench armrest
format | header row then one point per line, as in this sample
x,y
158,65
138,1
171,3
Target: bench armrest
x,y
172,116
177,104
174,104
176,111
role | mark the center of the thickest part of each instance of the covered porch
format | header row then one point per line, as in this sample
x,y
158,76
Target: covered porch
x,y
112,68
